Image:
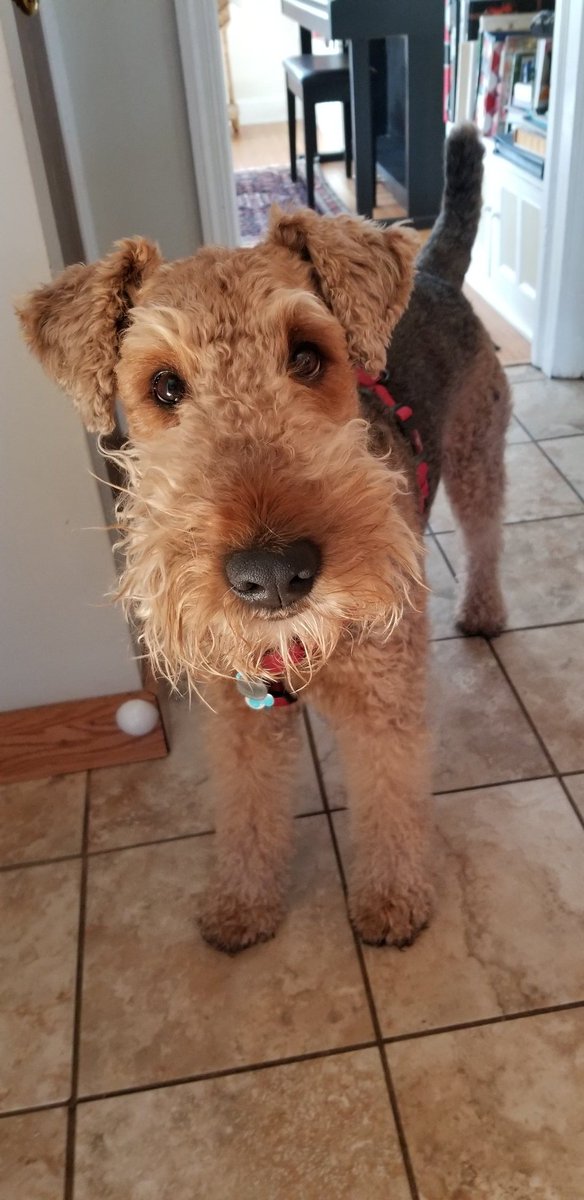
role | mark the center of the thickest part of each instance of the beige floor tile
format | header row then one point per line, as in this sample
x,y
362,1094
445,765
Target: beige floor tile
x,y
547,668
142,802
515,433
568,455
158,1003
443,593
522,372
38,932
481,735
172,796
550,407
575,786
509,912
330,764
32,1155
534,490
469,751
542,570
42,818
441,515
307,1130
496,1113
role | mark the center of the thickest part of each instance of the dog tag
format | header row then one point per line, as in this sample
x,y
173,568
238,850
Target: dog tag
x,y
250,689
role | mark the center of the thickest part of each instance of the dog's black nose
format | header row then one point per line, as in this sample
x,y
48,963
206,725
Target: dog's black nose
x,y
273,578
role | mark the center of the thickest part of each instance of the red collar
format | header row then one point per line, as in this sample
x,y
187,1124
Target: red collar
x,y
404,414
270,693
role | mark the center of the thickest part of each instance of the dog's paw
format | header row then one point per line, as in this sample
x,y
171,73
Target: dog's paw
x,y
231,926
393,919
481,617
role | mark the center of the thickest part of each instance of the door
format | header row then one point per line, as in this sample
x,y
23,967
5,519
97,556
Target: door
x,y
116,74
58,640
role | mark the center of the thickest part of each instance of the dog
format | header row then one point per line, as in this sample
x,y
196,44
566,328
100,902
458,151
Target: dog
x,y
280,467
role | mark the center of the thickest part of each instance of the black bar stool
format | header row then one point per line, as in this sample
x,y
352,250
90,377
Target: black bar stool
x,y
316,79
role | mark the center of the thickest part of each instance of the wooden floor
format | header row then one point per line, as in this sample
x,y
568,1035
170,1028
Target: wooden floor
x,y
267,145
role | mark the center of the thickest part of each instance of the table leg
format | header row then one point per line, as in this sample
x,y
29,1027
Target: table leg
x,y
425,145
362,124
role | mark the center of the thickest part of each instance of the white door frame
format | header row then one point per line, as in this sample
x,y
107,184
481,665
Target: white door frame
x,y
202,64
558,339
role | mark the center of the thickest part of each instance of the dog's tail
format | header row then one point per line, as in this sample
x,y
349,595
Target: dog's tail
x,y
448,249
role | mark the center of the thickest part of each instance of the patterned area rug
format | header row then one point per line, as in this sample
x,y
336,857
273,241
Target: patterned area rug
x,y
258,188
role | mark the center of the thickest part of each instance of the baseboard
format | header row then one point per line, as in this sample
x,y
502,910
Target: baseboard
x,y
57,739
264,110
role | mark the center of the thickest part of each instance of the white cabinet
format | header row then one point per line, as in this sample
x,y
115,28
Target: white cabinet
x,y
505,259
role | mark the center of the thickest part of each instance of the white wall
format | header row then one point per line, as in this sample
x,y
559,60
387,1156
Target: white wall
x,y
58,639
259,39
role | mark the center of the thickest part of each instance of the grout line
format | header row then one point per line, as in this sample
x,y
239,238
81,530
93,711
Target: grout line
x,y
538,442
555,437
72,1113
179,837
309,1056
523,520
521,424
39,862
436,539
224,1072
33,1108
477,787
393,1103
163,841
481,1022
559,469
557,773
458,637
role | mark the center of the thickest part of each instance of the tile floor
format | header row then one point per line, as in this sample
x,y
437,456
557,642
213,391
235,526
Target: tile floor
x,y
139,1064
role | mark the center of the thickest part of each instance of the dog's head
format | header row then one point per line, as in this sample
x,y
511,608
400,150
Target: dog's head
x,y
256,513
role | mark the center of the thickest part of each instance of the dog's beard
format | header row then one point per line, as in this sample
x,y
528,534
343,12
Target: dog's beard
x,y
188,621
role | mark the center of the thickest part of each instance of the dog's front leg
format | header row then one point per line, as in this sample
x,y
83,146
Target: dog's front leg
x,y
384,747
252,759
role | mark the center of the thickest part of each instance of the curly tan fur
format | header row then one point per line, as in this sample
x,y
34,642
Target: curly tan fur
x,y
74,326
256,456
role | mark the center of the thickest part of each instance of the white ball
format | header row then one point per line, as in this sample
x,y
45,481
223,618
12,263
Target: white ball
x,y
137,717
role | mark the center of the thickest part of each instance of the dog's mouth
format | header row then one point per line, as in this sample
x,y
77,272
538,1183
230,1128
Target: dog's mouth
x,y
273,662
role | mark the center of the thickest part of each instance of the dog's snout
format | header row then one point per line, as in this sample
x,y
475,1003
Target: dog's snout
x,y
273,579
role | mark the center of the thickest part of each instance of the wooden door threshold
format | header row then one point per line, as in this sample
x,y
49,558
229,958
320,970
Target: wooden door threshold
x,y
57,739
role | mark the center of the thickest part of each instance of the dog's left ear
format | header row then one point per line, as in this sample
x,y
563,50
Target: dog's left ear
x,y
363,271
75,324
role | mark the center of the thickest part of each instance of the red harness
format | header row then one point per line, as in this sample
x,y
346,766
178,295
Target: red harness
x,y
404,414
272,661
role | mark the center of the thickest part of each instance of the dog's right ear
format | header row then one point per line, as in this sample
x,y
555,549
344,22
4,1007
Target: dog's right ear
x,y
75,324
363,271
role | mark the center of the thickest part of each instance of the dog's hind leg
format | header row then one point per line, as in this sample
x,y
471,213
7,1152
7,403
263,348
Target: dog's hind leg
x,y
473,470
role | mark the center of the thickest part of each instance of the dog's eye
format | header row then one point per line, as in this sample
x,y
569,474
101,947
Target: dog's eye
x,y
306,362
167,388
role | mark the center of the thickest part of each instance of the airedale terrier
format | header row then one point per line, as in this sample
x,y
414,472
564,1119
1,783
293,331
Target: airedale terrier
x,y
279,471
